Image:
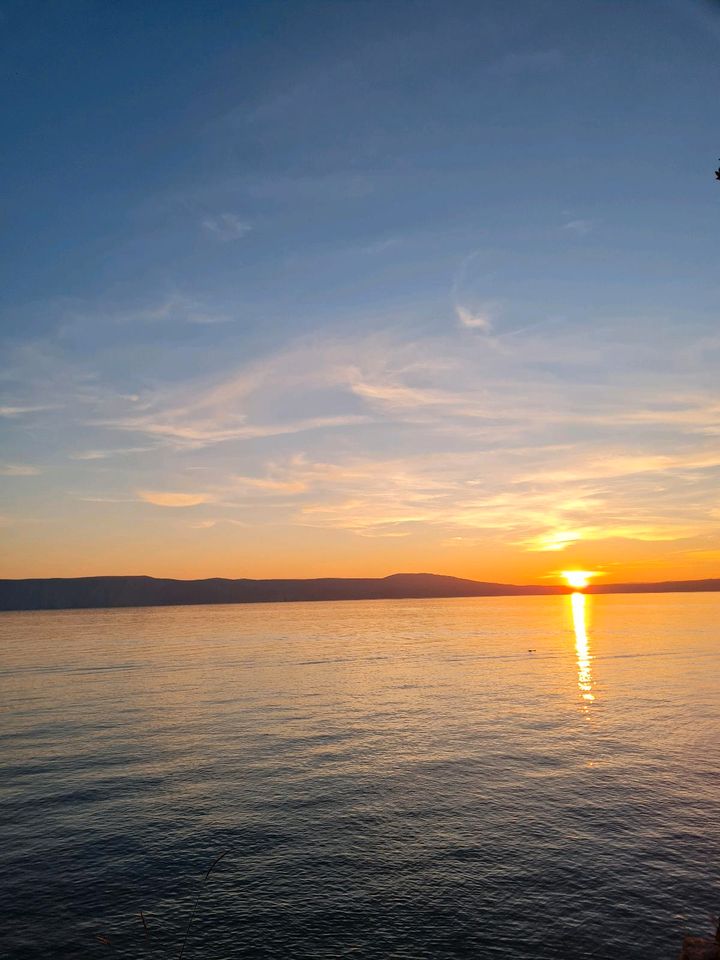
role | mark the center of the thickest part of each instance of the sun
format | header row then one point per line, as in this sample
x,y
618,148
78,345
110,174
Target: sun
x,y
578,579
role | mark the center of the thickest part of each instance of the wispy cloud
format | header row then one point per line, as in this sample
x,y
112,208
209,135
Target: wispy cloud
x,y
477,319
18,470
270,485
193,432
104,499
580,227
174,308
227,226
618,464
18,411
166,498
474,308
107,454
529,451
463,398
554,541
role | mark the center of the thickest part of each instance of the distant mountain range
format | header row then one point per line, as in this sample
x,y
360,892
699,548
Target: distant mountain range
x,y
84,592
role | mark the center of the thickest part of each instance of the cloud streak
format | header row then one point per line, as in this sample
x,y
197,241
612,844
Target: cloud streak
x,y
19,411
165,498
227,226
18,470
332,433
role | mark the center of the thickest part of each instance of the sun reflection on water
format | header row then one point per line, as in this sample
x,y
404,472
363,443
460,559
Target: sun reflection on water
x,y
582,646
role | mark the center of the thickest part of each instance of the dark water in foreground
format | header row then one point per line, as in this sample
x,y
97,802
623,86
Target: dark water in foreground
x,y
391,779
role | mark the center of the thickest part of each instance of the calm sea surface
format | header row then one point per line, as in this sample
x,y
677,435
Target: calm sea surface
x,y
389,779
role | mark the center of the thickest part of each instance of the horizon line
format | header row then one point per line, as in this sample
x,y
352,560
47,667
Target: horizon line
x,y
404,573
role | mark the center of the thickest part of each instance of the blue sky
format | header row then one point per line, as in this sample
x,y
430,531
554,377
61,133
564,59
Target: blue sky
x,y
310,288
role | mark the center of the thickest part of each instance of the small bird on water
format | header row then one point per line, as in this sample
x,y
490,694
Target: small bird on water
x,y
717,172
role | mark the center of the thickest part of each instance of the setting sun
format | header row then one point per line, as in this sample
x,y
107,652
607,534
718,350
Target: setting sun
x,y
578,579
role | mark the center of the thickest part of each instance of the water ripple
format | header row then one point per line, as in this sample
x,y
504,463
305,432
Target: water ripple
x,y
391,779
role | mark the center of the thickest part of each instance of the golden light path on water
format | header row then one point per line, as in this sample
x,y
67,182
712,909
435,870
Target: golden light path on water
x,y
582,646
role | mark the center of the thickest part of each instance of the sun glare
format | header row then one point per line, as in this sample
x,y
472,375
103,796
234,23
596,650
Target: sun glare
x,y
578,579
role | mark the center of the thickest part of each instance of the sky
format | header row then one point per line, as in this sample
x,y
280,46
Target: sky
x,y
355,288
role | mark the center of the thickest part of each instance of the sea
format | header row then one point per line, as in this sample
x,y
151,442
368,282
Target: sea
x,y
532,778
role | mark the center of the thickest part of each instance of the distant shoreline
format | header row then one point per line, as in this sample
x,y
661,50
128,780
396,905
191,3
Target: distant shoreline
x,y
76,593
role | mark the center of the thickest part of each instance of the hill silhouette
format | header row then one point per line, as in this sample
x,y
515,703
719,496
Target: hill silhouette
x,y
93,592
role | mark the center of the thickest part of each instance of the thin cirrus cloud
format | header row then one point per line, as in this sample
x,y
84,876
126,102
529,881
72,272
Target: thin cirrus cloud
x,y
18,470
537,522
174,308
192,432
231,493
18,411
106,454
179,308
477,319
333,433
164,498
393,498
226,226
235,406
579,227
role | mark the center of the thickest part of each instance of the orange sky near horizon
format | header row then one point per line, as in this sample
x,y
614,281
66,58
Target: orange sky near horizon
x,y
162,546
508,481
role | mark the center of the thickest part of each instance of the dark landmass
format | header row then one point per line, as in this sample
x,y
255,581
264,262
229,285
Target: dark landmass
x,y
93,592
665,586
